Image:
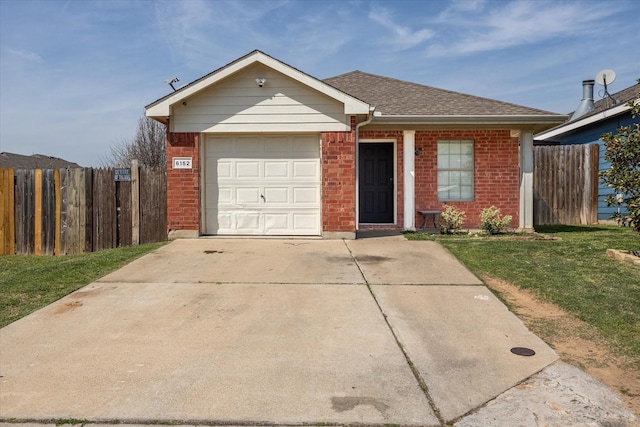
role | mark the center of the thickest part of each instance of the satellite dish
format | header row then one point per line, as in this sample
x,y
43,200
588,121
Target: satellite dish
x,y
605,77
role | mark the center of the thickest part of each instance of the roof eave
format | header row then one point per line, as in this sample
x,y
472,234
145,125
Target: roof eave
x,y
580,122
538,123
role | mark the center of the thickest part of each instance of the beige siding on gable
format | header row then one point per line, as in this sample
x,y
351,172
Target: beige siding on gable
x,y
238,104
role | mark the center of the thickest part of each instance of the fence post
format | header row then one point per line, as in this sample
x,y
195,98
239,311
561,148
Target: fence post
x,y
135,203
38,212
58,212
7,213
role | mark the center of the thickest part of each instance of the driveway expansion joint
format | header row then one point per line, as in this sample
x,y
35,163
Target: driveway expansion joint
x,y
414,370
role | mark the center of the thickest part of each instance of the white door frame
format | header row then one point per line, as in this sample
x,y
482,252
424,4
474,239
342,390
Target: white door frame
x,y
395,176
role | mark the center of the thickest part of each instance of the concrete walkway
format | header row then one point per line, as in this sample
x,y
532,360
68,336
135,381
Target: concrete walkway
x,y
281,332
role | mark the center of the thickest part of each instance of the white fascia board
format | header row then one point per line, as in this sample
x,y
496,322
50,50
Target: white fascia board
x,y
552,118
583,122
513,121
351,105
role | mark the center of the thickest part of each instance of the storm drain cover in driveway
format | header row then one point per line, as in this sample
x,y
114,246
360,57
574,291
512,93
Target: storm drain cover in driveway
x,y
522,351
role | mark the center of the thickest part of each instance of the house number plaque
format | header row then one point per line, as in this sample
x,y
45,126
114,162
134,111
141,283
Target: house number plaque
x,y
183,162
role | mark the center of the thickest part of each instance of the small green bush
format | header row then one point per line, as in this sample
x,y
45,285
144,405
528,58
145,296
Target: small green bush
x,y
492,222
451,220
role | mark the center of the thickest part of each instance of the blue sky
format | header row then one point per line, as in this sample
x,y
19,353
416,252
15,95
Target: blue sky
x,y
75,75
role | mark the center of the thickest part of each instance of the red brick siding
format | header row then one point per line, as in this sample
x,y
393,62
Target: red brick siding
x,y
183,185
338,180
496,173
496,177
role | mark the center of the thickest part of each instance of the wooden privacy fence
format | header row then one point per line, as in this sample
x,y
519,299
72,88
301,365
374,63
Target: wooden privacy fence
x,y
565,184
71,211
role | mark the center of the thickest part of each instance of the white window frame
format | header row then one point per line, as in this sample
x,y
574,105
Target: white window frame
x,y
454,169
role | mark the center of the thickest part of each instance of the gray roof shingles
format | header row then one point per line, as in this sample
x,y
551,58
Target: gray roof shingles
x,y
36,161
394,97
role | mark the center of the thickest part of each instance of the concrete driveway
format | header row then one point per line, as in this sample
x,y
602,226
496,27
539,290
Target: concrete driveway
x,y
250,331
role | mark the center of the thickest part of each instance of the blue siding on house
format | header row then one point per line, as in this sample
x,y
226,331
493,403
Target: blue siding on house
x,y
591,134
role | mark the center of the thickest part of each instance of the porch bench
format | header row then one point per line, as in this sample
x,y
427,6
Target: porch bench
x,y
427,213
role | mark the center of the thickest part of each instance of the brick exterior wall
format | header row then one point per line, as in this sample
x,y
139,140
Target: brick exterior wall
x,y
338,158
496,177
183,185
496,173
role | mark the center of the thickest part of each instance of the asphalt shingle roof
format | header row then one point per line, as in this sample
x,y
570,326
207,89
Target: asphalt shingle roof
x,y
36,161
401,98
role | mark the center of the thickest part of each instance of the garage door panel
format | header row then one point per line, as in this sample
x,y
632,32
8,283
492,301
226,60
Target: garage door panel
x,y
223,196
220,220
306,144
223,169
276,169
276,195
247,195
247,169
249,145
249,221
285,169
276,145
305,195
221,146
305,169
276,222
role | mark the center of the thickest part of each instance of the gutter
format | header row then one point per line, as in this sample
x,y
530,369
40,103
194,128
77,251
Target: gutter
x,y
358,126
583,122
481,119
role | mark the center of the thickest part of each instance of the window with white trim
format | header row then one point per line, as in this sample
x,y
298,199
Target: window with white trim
x,y
455,170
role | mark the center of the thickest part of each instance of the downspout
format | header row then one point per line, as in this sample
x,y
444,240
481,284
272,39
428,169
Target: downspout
x,y
358,126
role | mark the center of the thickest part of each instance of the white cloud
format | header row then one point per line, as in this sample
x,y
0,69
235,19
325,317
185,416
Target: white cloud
x,y
202,34
458,6
181,24
403,37
25,55
522,22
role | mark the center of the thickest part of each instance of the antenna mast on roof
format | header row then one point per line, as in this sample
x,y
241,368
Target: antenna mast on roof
x,y
170,82
604,78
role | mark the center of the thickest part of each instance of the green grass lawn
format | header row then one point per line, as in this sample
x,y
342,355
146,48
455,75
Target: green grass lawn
x,y
28,283
572,271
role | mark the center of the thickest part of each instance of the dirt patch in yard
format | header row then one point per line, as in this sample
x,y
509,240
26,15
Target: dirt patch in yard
x,y
575,341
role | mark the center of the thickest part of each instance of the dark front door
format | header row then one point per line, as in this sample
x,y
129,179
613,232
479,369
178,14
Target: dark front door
x,y
375,181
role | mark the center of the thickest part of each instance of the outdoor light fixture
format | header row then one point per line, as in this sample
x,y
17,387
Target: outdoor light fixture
x,y
261,81
417,151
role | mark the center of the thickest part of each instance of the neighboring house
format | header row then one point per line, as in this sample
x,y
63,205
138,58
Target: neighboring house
x,y
591,120
35,161
258,147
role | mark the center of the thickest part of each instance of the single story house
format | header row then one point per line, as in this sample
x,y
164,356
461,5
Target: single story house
x,y
591,120
258,147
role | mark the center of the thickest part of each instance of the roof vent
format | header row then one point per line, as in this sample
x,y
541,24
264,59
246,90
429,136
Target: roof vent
x,y
587,103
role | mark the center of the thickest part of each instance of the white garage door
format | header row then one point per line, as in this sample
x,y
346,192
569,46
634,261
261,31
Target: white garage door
x,y
262,185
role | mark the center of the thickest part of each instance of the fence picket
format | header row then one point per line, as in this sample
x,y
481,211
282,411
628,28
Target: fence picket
x,y
123,208
65,175
7,212
71,211
152,191
565,182
48,212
